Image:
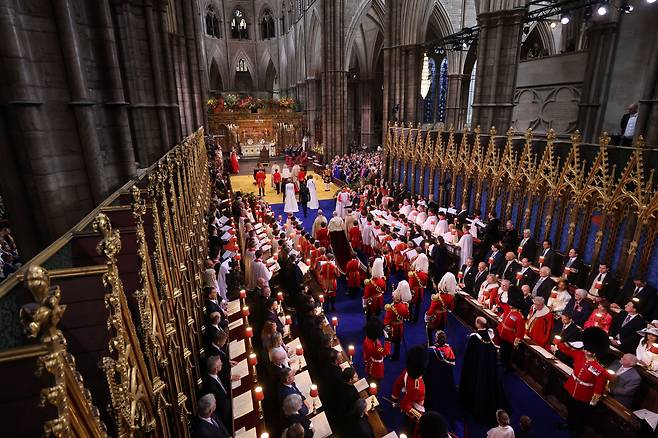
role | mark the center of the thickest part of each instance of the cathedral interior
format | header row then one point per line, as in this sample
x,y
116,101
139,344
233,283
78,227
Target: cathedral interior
x,y
544,112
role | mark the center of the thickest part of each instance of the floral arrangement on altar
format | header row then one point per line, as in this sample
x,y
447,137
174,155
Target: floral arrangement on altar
x,y
233,102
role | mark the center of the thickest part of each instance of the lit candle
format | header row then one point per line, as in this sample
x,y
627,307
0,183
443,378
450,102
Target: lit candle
x,y
334,321
321,298
245,311
238,257
264,435
249,332
350,350
243,293
299,350
308,262
252,359
611,374
313,391
519,250
258,393
636,300
460,275
557,339
275,257
279,296
372,389
288,320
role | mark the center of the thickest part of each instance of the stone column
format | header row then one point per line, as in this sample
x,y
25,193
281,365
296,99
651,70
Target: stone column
x,y
412,68
596,84
454,101
334,77
647,119
367,114
499,47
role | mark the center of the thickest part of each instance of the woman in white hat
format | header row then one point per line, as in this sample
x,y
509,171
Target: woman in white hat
x,y
647,349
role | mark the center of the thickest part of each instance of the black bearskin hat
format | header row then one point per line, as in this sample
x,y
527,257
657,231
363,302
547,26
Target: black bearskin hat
x,y
595,340
514,300
432,425
417,360
374,329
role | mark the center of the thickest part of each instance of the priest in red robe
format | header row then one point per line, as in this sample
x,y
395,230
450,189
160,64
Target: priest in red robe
x,y
540,323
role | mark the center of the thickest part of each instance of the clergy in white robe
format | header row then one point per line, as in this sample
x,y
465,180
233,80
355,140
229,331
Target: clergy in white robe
x,y
291,202
320,219
342,202
313,202
222,287
336,223
249,257
421,217
366,234
430,223
285,173
258,270
466,245
441,226
406,208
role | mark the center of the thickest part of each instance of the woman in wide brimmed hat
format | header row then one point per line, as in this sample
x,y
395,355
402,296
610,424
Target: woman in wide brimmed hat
x,y
647,349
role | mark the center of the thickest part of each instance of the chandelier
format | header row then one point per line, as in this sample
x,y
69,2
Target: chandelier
x,y
425,77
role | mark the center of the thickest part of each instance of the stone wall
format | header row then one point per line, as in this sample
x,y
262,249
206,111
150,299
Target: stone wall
x,y
89,88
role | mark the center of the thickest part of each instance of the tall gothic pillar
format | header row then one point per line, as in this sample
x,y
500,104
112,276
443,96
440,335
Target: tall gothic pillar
x,y
499,47
454,102
647,122
596,84
367,113
411,70
334,77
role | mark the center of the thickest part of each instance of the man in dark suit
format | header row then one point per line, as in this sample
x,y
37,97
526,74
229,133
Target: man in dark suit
x,y
206,424
528,246
626,382
509,268
214,327
573,268
468,276
462,215
480,277
272,313
579,307
211,302
490,234
544,284
625,327
546,255
212,384
510,238
643,295
602,283
569,332
525,275
495,259
526,300
287,386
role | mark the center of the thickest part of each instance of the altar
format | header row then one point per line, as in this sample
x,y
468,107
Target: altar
x,y
253,148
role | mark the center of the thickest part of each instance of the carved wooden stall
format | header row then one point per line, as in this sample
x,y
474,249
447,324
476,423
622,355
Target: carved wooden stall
x,y
110,315
570,193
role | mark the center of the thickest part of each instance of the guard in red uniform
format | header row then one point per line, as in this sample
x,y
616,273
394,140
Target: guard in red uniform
x,y
437,315
417,284
328,274
373,296
260,181
511,330
323,236
409,388
587,382
355,237
396,313
373,350
353,273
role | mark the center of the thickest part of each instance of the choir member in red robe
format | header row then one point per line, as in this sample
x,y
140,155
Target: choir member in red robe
x,y
353,273
323,236
328,274
235,167
355,237
540,323
374,351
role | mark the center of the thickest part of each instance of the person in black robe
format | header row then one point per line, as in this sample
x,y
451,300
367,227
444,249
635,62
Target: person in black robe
x,y
480,388
439,260
440,388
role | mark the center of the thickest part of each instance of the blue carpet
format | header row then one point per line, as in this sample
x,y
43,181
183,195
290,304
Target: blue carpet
x,y
523,400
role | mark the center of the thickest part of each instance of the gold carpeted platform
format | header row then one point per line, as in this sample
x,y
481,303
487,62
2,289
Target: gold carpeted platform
x,y
245,184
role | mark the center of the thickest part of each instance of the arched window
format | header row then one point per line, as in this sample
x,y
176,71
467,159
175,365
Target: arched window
x,y
471,94
242,66
212,23
435,102
239,29
267,25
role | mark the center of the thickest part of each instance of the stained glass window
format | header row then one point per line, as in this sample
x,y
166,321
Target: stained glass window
x,y
434,105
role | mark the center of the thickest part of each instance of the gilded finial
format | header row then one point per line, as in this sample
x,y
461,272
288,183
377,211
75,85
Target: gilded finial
x,y
110,245
40,318
477,130
575,137
604,139
510,132
492,131
528,135
639,143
